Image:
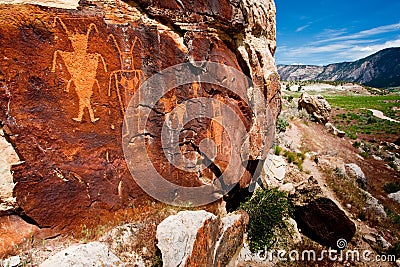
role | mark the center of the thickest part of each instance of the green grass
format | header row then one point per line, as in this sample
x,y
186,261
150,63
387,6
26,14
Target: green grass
x,y
356,119
363,122
383,103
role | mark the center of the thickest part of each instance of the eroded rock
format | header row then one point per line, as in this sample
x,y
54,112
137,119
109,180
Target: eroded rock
x,y
13,231
8,157
188,237
67,76
324,222
334,130
91,254
395,196
355,171
316,106
374,208
199,238
377,242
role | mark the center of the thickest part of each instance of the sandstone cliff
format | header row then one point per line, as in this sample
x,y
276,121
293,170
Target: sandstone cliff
x,y
68,71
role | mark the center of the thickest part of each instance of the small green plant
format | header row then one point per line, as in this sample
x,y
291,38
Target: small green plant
x,y
391,187
296,158
86,234
393,165
267,211
281,125
339,172
357,144
277,150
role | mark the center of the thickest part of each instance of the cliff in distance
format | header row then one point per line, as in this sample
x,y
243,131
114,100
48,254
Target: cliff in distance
x,y
380,70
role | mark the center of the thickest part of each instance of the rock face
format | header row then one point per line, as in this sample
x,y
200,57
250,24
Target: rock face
x,y
316,106
324,222
91,254
67,75
199,238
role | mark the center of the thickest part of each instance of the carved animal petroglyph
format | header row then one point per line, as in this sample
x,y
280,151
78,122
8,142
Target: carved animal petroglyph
x,y
127,78
82,66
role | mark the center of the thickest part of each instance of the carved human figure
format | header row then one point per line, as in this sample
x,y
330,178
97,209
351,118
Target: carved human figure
x,y
82,66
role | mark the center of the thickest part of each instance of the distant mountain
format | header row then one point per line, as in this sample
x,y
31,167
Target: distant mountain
x,y
380,70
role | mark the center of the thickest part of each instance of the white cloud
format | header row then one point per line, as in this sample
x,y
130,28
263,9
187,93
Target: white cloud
x,y
302,28
337,46
364,34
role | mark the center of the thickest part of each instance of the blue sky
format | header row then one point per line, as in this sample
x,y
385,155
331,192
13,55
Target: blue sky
x,y
330,31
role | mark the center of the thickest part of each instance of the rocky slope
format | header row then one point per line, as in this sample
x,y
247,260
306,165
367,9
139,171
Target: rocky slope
x,y
380,70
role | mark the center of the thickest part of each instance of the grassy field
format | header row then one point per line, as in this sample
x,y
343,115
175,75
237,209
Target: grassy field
x,y
383,103
350,113
352,116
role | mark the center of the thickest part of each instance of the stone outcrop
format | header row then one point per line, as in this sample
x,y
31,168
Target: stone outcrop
x,y
316,106
373,207
91,254
395,196
377,242
334,130
199,238
355,171
68,73
323,221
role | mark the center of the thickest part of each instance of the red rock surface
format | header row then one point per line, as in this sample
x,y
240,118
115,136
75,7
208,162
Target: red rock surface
x,y
66,77
13,230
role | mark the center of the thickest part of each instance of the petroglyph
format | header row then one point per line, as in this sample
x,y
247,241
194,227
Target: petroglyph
x,y
127,79
174,110
82,66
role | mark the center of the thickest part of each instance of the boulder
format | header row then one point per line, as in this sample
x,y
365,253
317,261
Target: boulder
x,y
13,261
274,170
13,231
91,254
124,240
188,237
355,171
8,157
373,207
334,130
377,242
68,73
395,196
232,229
316,106
324,222
199,238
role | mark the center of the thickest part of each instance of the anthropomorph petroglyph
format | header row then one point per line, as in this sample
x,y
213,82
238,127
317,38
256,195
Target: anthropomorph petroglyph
x,y
127,79
82,66
171,107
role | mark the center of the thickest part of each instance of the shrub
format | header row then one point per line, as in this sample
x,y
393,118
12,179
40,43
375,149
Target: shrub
x,y
267,211
281,125
391,187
